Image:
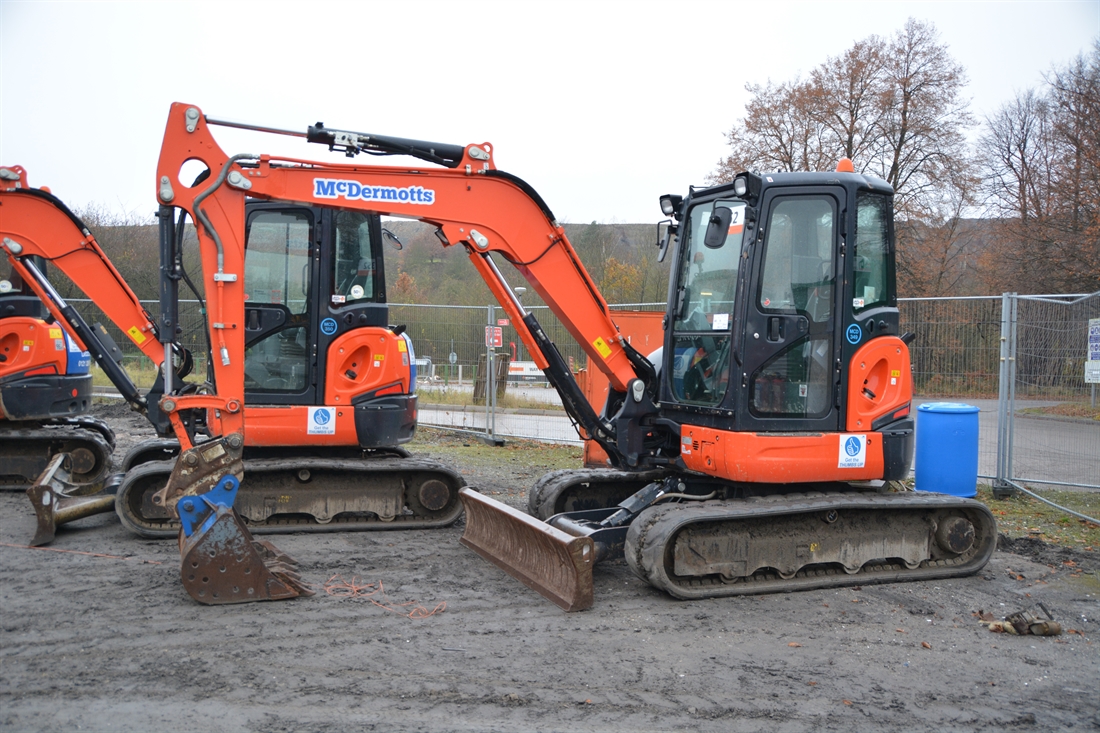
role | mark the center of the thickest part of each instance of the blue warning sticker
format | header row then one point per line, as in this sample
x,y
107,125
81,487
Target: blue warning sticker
x,y
328,326
853,451
322,421
854,334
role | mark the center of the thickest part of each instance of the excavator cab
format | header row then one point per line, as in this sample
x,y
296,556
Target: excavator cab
x,y
329,387
768,314
315,312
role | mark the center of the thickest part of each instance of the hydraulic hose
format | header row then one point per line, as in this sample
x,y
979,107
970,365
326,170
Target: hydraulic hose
x,y
223,350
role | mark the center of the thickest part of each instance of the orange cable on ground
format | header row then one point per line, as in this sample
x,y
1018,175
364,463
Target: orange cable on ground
x,y
338,587
78,552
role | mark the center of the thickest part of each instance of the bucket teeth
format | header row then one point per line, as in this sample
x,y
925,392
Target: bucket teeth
x,y
545,559
224,564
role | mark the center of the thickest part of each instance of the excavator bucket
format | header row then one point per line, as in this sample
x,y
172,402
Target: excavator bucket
x,y
545,559
53,506
220,562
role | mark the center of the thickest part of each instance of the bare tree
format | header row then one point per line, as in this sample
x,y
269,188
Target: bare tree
x,y
923,145
1040,160
850,100
777,133
895,108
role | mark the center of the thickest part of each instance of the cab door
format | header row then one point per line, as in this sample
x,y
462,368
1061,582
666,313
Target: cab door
x,y
790,374
280,314
698,346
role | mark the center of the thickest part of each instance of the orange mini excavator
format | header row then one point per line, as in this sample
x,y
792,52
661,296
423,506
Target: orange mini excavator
x,y
45,393
746,455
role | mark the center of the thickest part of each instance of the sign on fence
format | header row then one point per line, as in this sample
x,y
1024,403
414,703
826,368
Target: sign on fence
x,y
494,337
1092,366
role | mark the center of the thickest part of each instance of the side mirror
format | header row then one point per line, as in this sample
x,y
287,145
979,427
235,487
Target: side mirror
x,y
666,233
719,227
390,237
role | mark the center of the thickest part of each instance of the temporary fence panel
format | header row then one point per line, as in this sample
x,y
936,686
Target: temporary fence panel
x,y
955,355
1011,356
1048,428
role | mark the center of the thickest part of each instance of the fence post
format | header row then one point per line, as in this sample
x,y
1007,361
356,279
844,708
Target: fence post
x,y
1006,398
490,382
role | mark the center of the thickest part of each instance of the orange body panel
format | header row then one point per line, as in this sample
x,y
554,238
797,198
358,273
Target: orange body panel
x,y
269,425
363,360
776,458
880,382
27,343
30,344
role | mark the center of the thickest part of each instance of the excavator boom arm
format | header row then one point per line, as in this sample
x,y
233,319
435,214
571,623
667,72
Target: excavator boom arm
x,y
33,222
485,210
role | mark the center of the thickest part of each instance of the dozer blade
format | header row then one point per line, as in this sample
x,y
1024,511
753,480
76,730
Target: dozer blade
x,y
545,559
221,563
52,504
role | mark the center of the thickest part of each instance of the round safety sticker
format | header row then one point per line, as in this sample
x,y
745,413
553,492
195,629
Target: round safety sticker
x,y
855,334
328,326
357,291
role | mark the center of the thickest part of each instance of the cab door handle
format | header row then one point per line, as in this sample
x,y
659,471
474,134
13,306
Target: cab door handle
x,y
775,329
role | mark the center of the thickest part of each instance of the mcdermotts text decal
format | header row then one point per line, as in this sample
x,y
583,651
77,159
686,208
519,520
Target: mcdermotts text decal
x,y
336,188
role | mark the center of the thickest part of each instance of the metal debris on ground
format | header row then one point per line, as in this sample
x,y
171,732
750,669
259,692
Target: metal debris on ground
x,y
1021,623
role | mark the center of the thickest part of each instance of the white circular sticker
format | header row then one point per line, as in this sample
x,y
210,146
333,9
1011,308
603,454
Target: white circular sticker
x,y
357,291
5,286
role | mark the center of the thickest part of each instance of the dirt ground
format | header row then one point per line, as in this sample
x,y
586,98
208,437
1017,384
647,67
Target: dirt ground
x,y
110,641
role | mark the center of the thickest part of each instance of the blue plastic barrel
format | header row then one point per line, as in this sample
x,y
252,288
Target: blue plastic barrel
x,y
947,448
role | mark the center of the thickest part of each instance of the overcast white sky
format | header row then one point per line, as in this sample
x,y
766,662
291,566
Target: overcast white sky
x,y
602,106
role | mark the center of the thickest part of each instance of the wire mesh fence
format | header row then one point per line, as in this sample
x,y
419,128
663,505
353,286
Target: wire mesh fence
x,y
958,355
1041,424
956,352
1048,431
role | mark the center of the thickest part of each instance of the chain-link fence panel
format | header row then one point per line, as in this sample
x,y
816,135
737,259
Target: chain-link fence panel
x,y
1052,431
956,355
956,352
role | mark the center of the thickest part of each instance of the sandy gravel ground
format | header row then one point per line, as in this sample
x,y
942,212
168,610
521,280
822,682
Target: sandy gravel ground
x,y
110,641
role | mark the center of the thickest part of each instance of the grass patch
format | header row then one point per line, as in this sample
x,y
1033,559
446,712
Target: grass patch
x,y
457,397
468,450
1022,516
143,374
1066,409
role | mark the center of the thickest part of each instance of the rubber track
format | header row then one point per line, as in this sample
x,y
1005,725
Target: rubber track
x,y
543,499
85,432
254,469
650,537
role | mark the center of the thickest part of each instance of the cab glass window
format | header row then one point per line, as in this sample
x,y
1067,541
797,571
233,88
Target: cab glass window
x,y
706,293
799,277
872,247
708,274
799,254
355,265
277,259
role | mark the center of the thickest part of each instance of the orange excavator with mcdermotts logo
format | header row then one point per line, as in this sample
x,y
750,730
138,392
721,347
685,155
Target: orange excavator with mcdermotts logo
x,y
748,454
